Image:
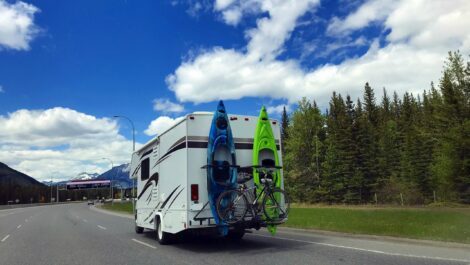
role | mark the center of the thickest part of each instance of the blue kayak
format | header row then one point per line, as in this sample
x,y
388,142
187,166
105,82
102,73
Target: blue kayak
x,y
221,173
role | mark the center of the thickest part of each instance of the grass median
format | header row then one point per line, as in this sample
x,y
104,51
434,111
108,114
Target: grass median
x,y
442,223
122,207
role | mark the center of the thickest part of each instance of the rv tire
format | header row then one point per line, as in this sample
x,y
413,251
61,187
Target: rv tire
x,y
138,229
235,235
162,237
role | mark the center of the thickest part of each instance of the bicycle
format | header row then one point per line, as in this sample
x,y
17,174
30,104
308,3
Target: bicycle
x,y
233,205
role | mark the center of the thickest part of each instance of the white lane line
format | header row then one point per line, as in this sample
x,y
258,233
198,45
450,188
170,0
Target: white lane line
x,y
102,227
365,250
26,220
143,243
77,216
18,227
5,238
85,220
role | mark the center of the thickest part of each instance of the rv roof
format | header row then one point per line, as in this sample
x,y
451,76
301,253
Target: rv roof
x,y
146,145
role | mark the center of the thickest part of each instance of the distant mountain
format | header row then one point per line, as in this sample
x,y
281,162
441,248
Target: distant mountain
x,y
16,185
86,176
120,175
8,174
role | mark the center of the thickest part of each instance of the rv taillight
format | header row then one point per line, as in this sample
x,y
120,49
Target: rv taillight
x,y
194,192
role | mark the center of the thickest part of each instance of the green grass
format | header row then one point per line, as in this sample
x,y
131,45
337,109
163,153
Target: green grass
x,y
124,207
444,224
441,223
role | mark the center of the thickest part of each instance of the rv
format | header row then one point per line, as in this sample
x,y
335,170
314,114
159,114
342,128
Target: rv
x,y
171,176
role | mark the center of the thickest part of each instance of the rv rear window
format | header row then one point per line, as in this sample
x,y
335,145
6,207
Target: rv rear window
x,y
145,169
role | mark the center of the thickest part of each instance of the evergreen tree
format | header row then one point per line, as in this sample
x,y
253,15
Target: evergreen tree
x,y
284,128
415,145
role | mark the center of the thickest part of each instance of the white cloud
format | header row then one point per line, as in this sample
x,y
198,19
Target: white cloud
x,y
17,28
165,105
160,124
232,16
222,4
233,10
277,110
370,11
60,143
267,39
420,35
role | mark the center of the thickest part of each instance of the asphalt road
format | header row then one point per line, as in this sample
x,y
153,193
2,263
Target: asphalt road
x,y
76,234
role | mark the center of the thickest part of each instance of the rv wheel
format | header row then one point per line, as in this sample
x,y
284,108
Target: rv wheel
x,y
162,237
138,229
235,235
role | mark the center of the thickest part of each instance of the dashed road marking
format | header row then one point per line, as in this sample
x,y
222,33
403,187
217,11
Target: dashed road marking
x,y
85,220
5,238
102,227
364,249
143,243
26,220
18,227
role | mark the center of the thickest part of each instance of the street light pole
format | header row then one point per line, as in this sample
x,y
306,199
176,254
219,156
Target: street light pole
x,y
112,166
133,150
50,184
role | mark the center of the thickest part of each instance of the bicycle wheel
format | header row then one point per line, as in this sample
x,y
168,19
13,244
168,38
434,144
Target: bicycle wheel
x,y
232,206
276,205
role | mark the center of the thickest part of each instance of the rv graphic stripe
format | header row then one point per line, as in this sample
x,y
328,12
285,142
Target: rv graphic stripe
x,y
153,211
192,144
182,139
168,198
174,199
154,177
146,153
136,169
198,144
175,148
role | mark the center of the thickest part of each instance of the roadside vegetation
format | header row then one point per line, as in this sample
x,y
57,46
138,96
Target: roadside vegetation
x,y
124,207
410,149
430,223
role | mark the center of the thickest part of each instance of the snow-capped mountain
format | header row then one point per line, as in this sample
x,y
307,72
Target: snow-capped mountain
x,y
119,175
86,176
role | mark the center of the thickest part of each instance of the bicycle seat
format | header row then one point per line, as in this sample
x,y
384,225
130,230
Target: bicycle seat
x,y
243,177
266,180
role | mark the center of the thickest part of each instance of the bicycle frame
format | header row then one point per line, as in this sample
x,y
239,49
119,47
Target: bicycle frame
x,y
254,206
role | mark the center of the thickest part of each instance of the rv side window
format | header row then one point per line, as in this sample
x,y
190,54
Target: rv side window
x,y
145,169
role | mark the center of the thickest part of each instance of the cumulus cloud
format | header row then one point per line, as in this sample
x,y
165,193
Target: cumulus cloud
x,y
371,11
419,34
17,28
278,109
160,124
59,143
165,105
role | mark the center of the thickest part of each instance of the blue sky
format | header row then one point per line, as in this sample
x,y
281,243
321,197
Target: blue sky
x,y
74,64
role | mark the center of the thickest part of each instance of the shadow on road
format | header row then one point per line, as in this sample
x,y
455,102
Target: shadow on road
x,y
212,244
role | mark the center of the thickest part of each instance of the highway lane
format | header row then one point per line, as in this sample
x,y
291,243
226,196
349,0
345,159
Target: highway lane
x,y
75,234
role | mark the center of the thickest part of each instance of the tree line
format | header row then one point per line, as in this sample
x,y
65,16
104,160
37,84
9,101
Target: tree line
x,y
408,149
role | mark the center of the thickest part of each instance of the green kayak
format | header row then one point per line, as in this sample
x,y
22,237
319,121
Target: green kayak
x,y
265,155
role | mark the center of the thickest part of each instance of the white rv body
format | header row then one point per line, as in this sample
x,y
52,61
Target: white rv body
x,y
174,161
